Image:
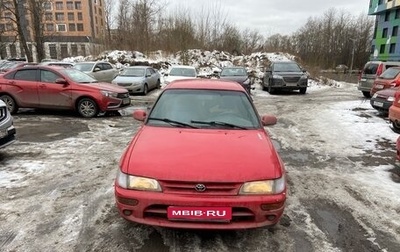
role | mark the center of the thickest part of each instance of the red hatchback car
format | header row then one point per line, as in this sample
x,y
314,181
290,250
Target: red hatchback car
x,y
60,88
388,79
202,160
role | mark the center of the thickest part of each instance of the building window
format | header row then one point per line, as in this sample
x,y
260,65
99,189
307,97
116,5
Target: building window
x,y
70,5
60,16
48,16
9,27
7,15
47,6
71,27
100,12
83,50
79,27
64,51
382,49
61,28
80,17
380,2
53,51
387,16
95,20
74,50
397,14
385,33
395,31
59,6
95,10
392,48
71,16
78,5
49,27
13,51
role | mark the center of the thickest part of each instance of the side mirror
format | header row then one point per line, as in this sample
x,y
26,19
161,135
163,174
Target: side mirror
x,y
139,115
268,120
304,71
165,74
61,81
96,69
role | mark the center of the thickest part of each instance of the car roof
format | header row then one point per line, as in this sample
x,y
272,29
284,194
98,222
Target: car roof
x,y
205,84
137,67
284,61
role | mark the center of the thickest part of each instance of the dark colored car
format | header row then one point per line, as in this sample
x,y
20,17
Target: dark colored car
x,y
7,129
237,74
383,99
388,79
215,165
285,75
60,88
370,72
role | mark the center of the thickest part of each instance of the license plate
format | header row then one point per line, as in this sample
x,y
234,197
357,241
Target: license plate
x,y
126,101
378,104
291,84
200,213
363,80
3,133
379,86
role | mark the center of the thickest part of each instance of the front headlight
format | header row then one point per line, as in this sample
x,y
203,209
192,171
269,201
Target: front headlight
x,y
304,76
375,95
275,76
264,187
137,183
390,99
246,82
109,93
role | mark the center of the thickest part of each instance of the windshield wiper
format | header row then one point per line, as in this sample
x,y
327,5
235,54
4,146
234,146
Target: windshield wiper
x,y
172,122
218,123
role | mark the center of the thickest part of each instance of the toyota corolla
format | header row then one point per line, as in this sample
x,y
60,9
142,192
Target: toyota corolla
x,y
203,160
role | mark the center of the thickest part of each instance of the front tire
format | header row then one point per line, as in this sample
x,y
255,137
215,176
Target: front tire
x,y
145,89
158,86
87,108
366,94
10,102
396,125
303,90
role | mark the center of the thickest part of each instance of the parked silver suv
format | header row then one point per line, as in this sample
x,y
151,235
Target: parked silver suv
x,y
285,75
7,130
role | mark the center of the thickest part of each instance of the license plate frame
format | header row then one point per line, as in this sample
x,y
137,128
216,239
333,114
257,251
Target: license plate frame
x,y
379,86
378,104
208,214
126,101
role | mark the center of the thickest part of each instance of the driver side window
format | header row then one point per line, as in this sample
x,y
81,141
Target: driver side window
x,y
48,76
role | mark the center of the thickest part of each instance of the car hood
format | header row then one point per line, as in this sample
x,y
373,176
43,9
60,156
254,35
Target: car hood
x,y
287,74
107,86
128,79
173,78
384,82
239,79
201,155
388,92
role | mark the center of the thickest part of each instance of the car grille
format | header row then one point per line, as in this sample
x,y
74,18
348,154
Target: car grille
x,y
124,84
3,113
291,79
123,95
212,188
239,214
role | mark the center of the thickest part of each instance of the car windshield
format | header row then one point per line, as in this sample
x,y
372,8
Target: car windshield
x,y
133,72
204,109
86,67
187,72
286,67
78,76
233,72
390,73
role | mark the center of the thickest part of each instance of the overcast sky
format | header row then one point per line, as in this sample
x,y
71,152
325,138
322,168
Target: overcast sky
x,y
272,16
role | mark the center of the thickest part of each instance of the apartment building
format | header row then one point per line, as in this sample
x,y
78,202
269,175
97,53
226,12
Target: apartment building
x,y
70,28
386,40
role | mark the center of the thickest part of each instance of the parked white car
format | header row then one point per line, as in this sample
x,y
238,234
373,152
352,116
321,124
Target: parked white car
x,y
7,130
101,71
180,72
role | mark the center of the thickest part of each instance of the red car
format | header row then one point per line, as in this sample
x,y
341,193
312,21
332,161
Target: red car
x,y
388,79
202,160
398,150
60,88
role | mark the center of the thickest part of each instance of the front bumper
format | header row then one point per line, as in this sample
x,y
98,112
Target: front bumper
x,y
288,83
151,209
7,137
381,105
394,114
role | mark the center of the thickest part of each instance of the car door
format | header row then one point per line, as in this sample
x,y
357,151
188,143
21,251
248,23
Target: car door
x,y
52,94
150,78
22,85
98,72
109,71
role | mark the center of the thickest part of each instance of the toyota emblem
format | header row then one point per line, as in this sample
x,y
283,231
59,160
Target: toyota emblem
x,y
200,187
